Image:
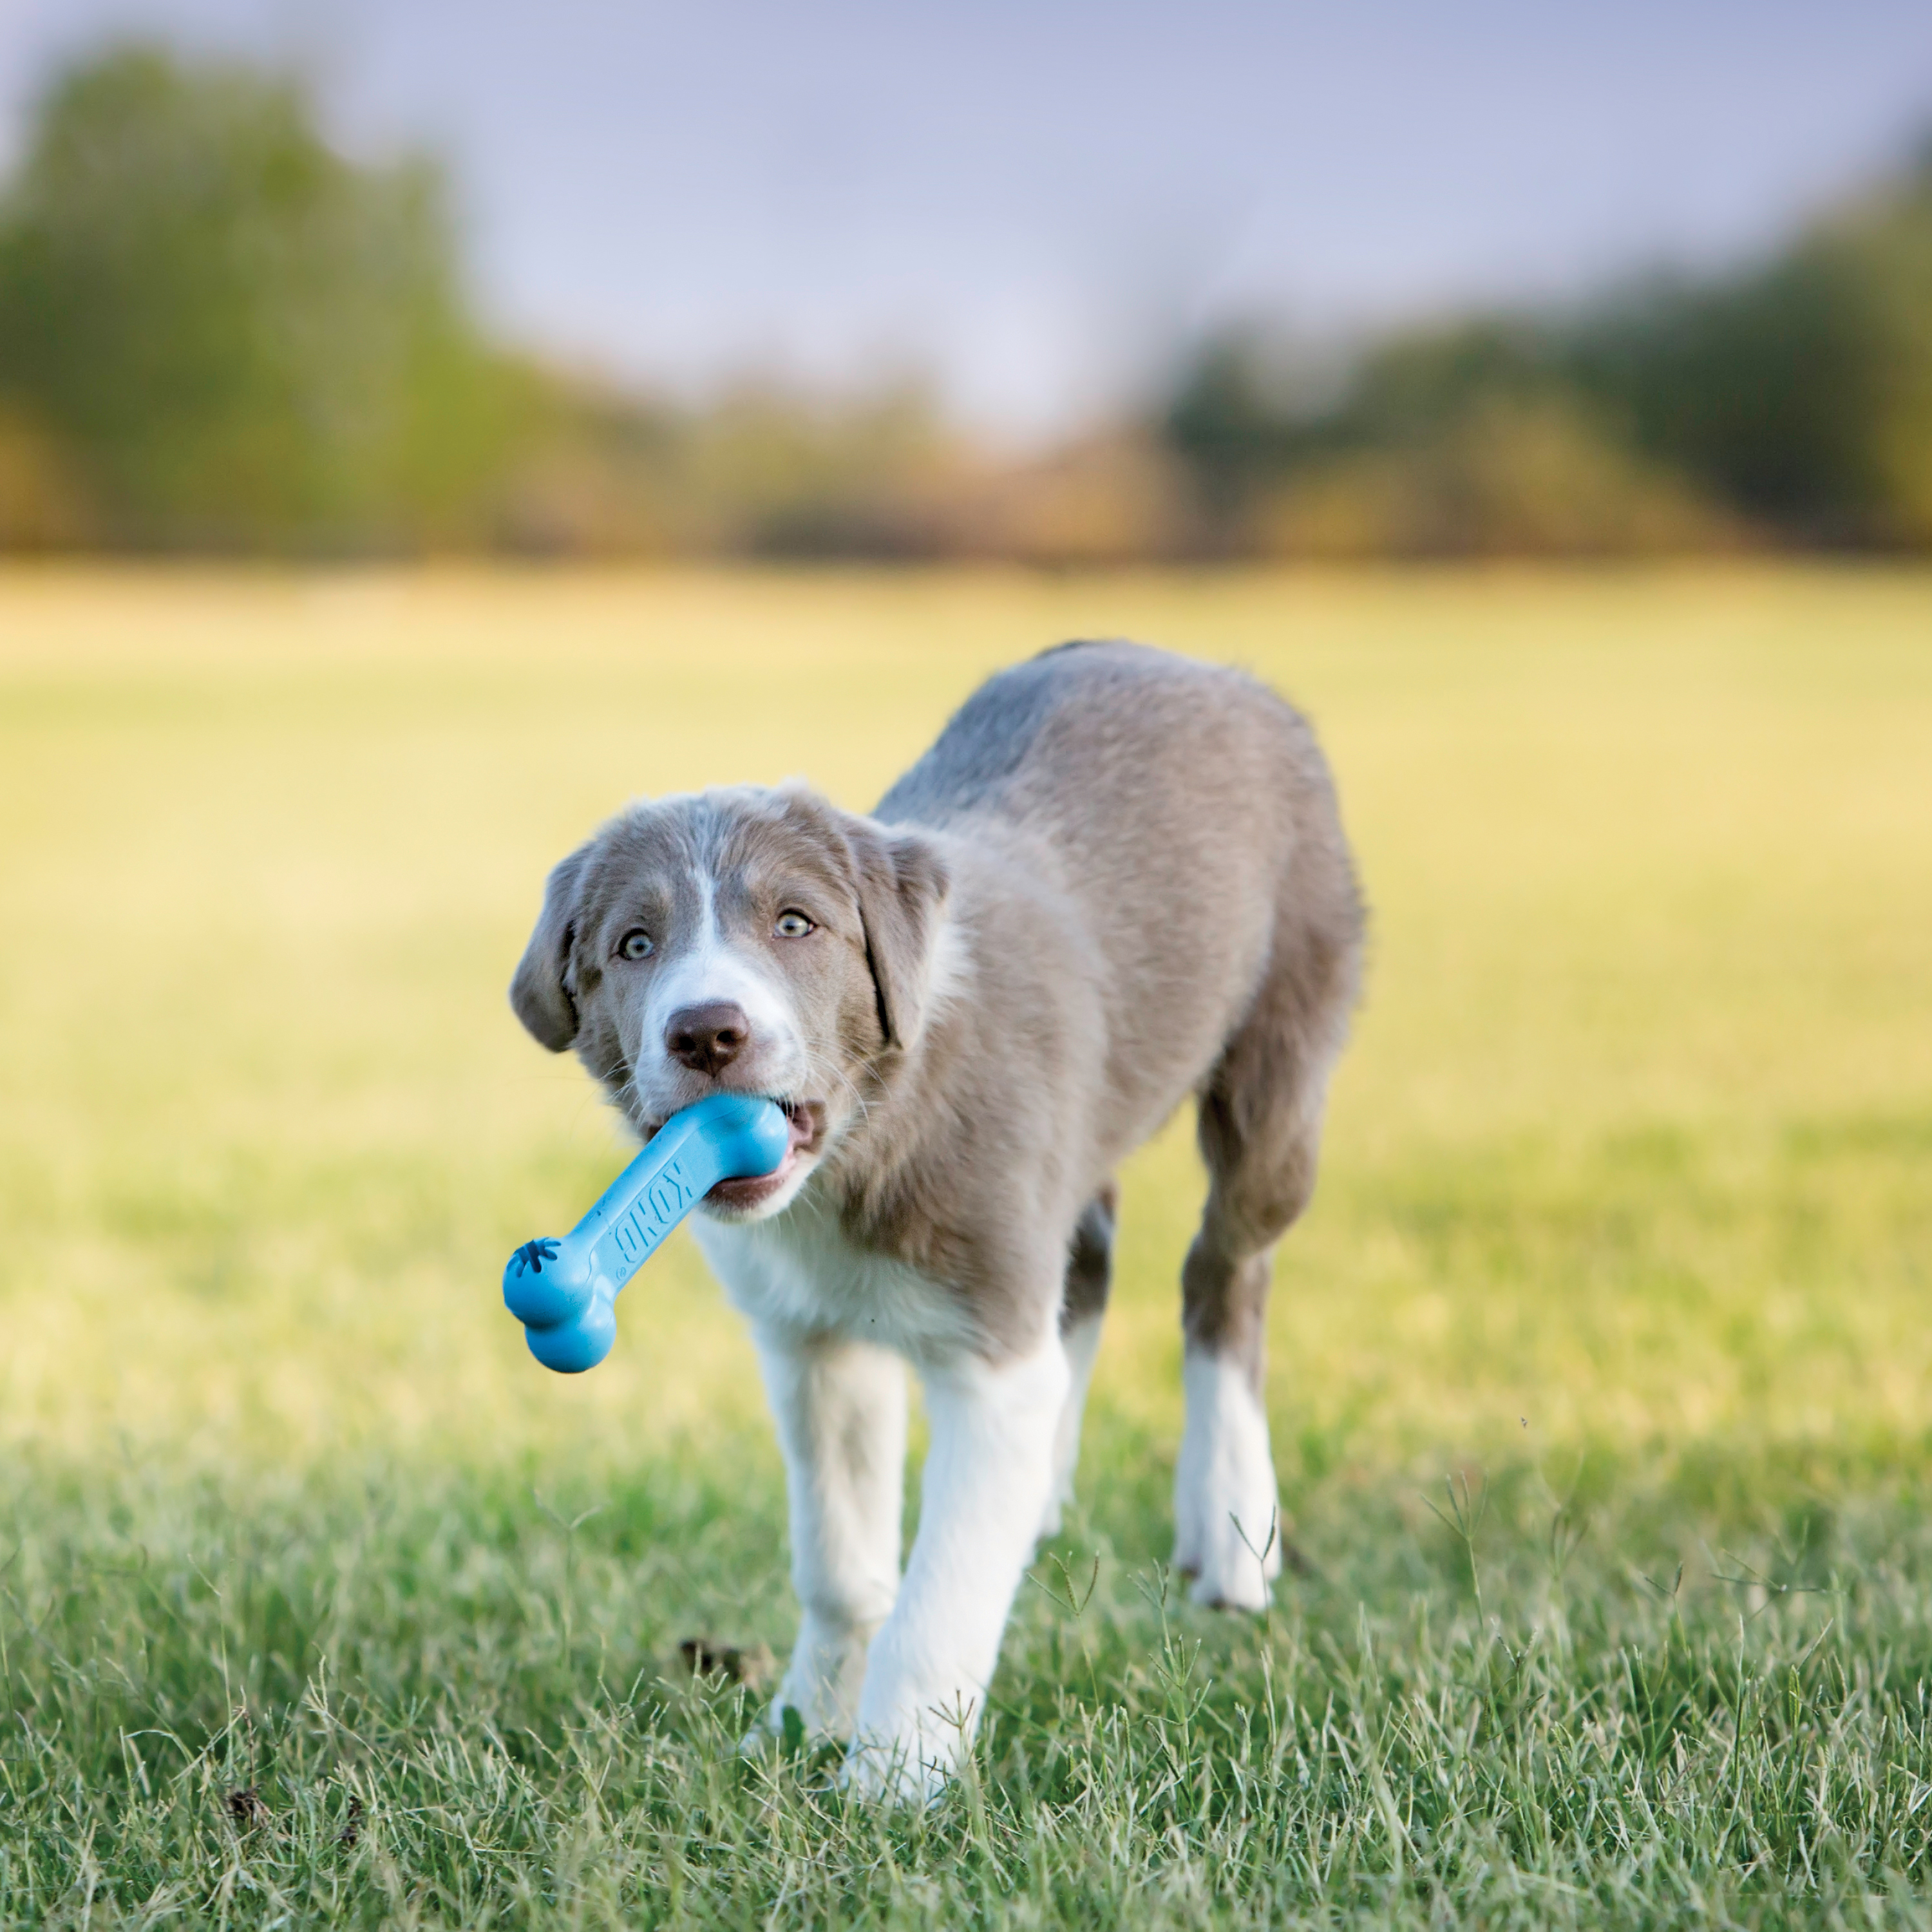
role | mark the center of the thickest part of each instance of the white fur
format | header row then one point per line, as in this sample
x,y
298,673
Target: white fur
x,y
710,968
988,1476
1082,1344
948,968
1226,1507
840,1411
800,1275
825,1314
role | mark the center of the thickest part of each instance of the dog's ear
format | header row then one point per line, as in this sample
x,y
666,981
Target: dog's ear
x,y
902,884
541,991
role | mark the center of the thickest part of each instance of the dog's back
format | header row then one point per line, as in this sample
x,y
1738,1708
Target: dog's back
x,y
1187,812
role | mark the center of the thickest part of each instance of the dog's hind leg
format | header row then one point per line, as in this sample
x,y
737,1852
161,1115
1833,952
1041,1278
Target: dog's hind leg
x,y
1090,1271
1260,1128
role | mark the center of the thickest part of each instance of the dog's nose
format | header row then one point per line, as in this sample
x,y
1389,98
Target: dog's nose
x,y
709,1036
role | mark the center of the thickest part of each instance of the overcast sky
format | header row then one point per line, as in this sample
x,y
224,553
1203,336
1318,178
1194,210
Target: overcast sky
x,y
1034,200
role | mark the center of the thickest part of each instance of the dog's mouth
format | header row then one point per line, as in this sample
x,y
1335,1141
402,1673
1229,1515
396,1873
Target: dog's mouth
x,y
806,1119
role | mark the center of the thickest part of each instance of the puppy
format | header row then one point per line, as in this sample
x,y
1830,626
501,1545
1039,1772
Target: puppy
x,y
1118,878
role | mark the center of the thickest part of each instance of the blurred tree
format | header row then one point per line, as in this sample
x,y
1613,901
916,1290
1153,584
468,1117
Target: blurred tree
x,y
43,506
1802,391
1505,476
761,469
1468,440
1794,399
244,340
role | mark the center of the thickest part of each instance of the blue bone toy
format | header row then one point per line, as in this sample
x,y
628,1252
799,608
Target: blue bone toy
x,y
563,1291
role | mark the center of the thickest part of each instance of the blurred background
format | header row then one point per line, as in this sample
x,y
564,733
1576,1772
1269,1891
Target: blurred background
x,y
1063,284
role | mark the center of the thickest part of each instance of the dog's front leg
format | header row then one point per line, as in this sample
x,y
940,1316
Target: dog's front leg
x,y
988,1475
841,1410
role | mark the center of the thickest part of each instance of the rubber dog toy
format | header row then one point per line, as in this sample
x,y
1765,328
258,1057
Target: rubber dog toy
x,y
563,1291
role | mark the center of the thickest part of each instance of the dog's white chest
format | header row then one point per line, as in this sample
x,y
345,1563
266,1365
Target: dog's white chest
x,y
799,1274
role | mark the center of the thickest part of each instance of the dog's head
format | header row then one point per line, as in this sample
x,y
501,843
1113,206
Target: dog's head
x,y
739,939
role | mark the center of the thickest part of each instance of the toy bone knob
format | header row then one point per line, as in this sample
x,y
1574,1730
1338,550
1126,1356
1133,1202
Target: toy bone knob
x,y
562,1291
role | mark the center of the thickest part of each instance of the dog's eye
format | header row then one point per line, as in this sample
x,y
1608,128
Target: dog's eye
x,y
635,944
793,925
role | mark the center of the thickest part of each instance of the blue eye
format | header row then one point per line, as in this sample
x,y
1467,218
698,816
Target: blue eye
x,y
635,944
793,925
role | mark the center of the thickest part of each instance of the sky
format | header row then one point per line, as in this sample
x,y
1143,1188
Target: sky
x,y
1036,202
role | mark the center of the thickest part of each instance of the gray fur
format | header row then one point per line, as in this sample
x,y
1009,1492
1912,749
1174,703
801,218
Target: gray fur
x,y
1142,880
542,992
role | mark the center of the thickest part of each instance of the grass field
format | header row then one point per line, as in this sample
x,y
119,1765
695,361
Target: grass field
x,y
1601,1371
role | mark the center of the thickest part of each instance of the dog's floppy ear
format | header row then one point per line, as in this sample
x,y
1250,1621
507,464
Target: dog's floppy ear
x,y
902,884
541,991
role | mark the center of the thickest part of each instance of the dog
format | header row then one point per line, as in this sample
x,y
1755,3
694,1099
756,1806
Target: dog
x,y
1118,878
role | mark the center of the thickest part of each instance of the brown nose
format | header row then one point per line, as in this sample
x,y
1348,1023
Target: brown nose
x,y
709,1036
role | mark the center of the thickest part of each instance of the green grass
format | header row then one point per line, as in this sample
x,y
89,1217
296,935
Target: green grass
x,y
1620,1264
1552,1722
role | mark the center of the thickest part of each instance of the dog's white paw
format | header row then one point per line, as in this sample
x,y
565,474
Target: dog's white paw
x,y
821,1683
913,1764
915,1728
1233,1570
1227,1511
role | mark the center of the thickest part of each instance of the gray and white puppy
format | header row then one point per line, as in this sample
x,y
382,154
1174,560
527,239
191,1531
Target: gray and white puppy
x,y
1118,878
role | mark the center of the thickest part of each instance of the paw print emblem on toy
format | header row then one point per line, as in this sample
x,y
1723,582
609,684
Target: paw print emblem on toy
x,y
532,1255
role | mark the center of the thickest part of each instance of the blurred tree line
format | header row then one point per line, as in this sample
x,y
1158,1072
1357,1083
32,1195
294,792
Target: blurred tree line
x,y
1788,403
218,333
